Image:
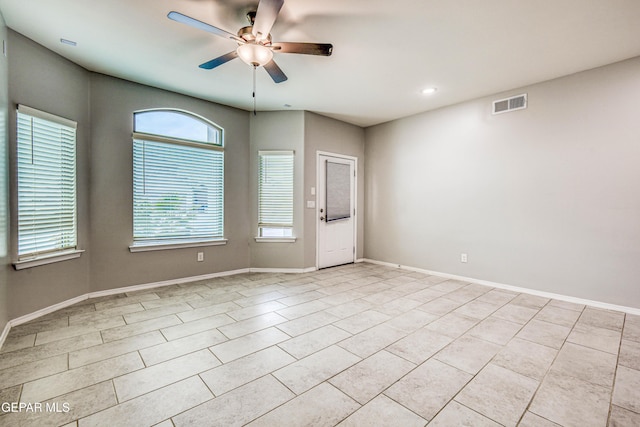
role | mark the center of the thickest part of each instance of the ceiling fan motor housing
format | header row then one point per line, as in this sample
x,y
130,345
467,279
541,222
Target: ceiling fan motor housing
x,y
255,46
246,34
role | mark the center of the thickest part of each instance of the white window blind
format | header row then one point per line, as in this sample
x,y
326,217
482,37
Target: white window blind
x,y
275,193
178,184
46,164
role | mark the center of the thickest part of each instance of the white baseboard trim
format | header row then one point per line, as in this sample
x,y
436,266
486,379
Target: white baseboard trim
x,y
50,309
44,311
567,298
282,270
5,333
152,285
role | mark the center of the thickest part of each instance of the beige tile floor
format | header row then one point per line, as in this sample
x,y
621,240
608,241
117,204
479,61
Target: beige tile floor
x,y
357,345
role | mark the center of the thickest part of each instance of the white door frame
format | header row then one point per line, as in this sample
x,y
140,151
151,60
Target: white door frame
x,y
355,202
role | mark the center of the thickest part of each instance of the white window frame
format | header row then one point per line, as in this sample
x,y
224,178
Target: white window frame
x,y
263,213
43,247
151,243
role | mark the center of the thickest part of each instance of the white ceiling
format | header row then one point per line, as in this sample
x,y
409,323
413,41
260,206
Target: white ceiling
x,y
385,52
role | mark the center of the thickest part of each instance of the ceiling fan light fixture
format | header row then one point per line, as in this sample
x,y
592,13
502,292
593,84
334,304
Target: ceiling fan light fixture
x,y
255,54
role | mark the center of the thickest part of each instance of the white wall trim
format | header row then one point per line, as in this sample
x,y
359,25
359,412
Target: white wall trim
x,y
48,259
152,285
275,239
567,298
43,311
282,270
162,246
39,313
64,304
5,333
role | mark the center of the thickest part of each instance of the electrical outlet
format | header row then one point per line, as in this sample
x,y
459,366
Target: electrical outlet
x,y
463,257
200,256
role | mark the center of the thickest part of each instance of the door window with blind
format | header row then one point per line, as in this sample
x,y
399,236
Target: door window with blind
x,y
275,194
46,187
178,179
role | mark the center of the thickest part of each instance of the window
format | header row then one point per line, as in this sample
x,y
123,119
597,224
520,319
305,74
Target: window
x,y
46,169
275,194
178,180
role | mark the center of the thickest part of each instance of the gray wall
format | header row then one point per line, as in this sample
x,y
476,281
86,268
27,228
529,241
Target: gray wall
x,y
103,107
545,198
325,134
41,79
113,102
4,179
283,130
306,133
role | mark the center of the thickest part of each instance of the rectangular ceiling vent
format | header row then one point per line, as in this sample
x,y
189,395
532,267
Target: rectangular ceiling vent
x,y
517,102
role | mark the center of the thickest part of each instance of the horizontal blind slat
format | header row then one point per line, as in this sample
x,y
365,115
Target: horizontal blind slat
x,y
46,183
275,189
178,191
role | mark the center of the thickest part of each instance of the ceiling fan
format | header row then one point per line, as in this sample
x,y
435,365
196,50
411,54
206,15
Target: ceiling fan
x,y
255,46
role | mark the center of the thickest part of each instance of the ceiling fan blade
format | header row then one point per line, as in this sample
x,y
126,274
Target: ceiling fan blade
x,y
219,60
192,22
275,72
323,49
265,17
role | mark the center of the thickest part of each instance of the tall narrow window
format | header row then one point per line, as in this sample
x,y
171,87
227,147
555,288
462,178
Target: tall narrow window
x,y
178,178
275,194
46,166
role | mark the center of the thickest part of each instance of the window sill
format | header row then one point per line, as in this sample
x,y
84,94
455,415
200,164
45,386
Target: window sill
x,y
276,239
47,259
161,246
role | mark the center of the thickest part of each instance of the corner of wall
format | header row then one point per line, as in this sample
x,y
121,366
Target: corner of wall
x,y
327,134
278,130
4,181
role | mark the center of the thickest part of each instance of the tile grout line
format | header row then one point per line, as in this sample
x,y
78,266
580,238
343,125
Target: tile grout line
x,y
375,307
615,372
484,366
548,370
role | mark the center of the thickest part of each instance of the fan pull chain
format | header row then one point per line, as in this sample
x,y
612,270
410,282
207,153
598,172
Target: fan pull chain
x,y
254,89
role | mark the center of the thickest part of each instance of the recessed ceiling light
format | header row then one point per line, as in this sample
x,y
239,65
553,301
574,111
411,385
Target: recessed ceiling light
x,y
429,90
69,42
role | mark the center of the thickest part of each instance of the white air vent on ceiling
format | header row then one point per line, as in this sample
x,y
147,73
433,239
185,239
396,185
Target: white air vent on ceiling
x,y
518,102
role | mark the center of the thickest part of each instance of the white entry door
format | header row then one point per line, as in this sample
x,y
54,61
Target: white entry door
x,y
336,210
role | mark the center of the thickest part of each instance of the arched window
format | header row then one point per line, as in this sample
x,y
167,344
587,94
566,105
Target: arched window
x,y
178,179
